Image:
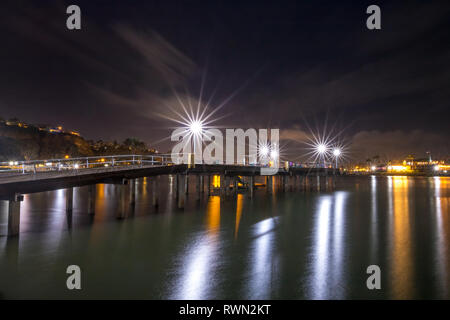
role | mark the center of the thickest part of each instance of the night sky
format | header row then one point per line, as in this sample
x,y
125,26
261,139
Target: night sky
x,y
286,65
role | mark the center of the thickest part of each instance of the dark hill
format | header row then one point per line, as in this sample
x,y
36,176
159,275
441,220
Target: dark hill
x,y
30,143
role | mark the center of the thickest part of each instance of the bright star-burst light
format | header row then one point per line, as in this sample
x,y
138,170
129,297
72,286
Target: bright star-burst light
x,y
264,151
194,114
273,154
322,148
337,152
196,127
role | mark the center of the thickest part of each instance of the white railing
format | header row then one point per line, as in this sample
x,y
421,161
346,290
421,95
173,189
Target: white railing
x,y
35,166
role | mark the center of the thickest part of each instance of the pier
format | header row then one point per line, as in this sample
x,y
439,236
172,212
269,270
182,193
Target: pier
x,y
124,172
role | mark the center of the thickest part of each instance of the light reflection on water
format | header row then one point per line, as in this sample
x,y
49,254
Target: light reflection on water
x,y
441,232
196,280
261,259
327,274
277,245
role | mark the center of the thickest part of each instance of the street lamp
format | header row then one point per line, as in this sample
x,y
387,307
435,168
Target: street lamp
x,y
336,153
264,151
196,127
273,154
321,150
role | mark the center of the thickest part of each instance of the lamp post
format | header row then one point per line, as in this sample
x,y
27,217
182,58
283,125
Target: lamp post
x,y
321,150
336,153
196,129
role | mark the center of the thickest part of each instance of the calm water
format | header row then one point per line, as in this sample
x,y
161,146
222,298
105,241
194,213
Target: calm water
x,y
293,245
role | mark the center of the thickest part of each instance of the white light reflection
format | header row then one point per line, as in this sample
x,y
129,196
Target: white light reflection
x,y
373,222
390,197
197,279
338,244
319,284
440,248
260,284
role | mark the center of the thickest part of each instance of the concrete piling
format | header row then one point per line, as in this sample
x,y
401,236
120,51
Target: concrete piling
x,y
132,188
227,185
155,191
208,185
91,198
14,215
69,199
186,183
222,185
198,187
123,203
202,184
181,191
269,184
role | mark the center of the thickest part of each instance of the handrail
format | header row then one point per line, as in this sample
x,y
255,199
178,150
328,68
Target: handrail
x,y
80,163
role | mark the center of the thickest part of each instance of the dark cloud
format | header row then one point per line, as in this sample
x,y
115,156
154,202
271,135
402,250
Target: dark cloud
x,y
283,64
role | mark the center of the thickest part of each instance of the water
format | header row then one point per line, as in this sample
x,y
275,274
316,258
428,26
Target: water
x,y
293,245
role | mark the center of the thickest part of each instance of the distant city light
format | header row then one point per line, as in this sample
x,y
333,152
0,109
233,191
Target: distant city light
x,y
373,168
11,163
76,166
436,168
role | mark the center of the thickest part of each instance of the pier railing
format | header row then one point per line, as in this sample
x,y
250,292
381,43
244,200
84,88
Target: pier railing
x,y
98,162
80,163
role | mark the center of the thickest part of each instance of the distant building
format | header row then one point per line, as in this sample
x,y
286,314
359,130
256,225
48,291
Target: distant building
x,y
74,133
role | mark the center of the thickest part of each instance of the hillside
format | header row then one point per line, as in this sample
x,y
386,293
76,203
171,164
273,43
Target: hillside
x,y
28,142
31,143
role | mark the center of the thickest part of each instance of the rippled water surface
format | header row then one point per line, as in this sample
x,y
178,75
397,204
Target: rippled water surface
x,y
292,245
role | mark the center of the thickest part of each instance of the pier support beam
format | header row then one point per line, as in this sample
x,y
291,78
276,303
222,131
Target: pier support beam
x,y
269,184
318,183
198,187
132,183
208,185
69,199
186,184
91,198
302,183
181,190
202,184
123,201
251,186
227,185
222,185
14,215
155,191
175,182
236,185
